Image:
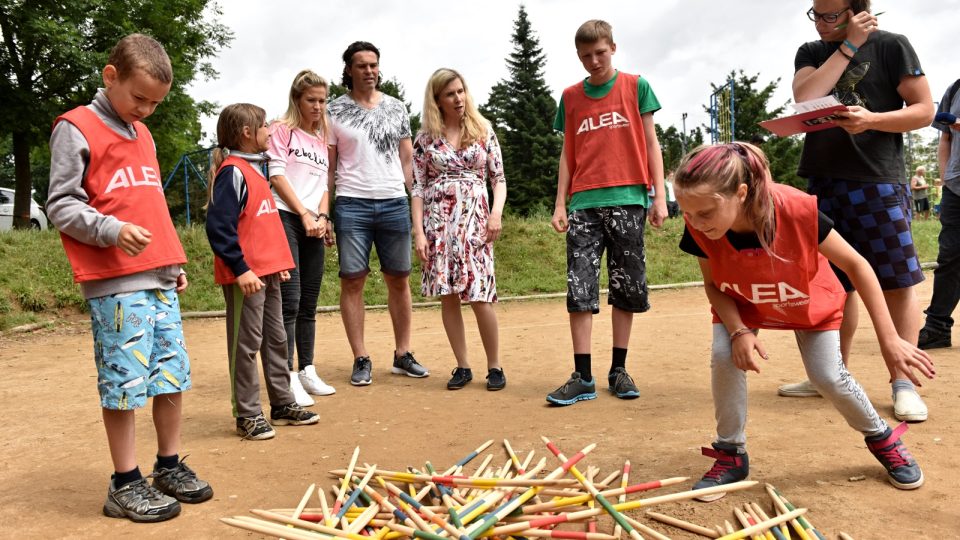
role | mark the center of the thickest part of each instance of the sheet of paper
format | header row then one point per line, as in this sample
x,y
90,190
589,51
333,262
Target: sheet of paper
x,y
815,104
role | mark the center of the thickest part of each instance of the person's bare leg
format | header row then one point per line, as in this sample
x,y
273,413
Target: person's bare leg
x,y
622,326
581,330
167,420
352,314
121,438
453,325
400,306
489,332
851,318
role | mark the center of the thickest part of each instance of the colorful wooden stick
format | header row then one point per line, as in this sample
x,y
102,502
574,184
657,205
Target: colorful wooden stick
x,y
681,524
644,529
782,508
803,521
746,522
466,459
762,526
273,516
781,532
624,478
356,492
755,518
580,499
346,481
269,528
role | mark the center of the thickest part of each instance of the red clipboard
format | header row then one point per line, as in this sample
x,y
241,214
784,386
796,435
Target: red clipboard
x,y
807,122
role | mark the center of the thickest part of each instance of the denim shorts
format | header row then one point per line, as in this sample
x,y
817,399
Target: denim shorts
x,y
138,347
875,219
364,223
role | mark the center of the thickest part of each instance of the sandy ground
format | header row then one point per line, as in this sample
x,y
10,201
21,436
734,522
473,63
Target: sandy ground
x,y
55,464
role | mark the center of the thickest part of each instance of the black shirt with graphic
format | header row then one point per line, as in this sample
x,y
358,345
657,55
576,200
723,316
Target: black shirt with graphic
x,y
869,81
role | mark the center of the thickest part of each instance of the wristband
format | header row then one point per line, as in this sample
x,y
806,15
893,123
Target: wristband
x,y
739,333
324,216
851,46
845,55
305,212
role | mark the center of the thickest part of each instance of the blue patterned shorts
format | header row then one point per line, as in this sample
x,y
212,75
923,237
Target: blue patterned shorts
x,y
138,346
875,219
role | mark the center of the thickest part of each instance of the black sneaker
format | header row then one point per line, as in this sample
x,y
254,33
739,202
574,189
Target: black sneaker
x,y
730,466
255,428
139,501
361,375
181,483
902,470
572,391
933,340
496,380
406,364
461,376
292,414
621,384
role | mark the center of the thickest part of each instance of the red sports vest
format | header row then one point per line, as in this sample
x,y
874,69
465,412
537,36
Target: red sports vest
x,y
603,138
262,240
800,292
123,181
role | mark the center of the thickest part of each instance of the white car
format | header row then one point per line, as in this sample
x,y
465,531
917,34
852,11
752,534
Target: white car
x,y
37,218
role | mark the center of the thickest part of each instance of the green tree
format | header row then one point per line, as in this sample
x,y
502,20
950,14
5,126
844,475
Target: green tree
x,y
522,112
673,143
391,87
752,106
51,58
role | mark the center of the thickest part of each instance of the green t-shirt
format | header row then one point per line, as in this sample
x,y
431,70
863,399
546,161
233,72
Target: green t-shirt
x,y
619,195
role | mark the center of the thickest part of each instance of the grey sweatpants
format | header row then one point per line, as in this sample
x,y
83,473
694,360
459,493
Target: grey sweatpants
x,y
255,323
820,352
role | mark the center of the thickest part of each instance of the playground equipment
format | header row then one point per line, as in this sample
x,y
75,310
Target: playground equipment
x,y
722,117
190,171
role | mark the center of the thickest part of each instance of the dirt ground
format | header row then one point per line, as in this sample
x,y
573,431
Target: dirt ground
x,y
55,464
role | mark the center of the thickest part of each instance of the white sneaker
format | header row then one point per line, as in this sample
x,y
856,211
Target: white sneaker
x,y
299,394
800,389
313,384
908,406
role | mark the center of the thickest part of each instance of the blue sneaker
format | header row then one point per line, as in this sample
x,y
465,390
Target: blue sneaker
x,y
621,384
730,466
572,391
902,470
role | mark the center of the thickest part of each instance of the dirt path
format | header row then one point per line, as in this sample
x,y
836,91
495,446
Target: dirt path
x,y
55,467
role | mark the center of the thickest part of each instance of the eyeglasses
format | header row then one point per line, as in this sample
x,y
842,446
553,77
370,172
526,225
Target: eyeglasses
x,y
825,17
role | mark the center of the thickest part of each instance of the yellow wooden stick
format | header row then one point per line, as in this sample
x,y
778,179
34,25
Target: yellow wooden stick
x,y
681,524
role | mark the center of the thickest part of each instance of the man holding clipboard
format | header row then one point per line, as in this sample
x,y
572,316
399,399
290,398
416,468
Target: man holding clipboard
x,y
857,171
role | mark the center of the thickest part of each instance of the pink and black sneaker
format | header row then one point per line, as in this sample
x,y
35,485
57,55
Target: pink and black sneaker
x,y
902,470
731,466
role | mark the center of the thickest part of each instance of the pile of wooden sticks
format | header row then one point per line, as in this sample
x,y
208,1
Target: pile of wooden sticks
x,y
520,498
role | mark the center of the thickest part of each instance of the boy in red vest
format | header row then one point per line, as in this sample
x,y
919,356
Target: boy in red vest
x,y
612,171
107,201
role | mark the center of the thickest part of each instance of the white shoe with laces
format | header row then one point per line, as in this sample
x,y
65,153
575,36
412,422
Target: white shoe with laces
x,y
800,389
313,384
908,406
300,395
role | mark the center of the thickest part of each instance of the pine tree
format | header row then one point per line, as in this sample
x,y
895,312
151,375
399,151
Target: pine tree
x,y
522,112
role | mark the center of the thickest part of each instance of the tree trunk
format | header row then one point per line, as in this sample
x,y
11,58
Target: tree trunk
x,y
21,168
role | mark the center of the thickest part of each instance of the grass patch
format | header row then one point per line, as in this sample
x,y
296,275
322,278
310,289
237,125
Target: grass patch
x,y
36,282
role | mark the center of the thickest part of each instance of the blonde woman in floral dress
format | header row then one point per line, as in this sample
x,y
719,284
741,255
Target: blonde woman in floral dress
x,y
455,155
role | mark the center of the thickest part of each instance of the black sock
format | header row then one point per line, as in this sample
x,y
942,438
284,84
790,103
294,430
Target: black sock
x,y
121,479
167,462
581,363
619,359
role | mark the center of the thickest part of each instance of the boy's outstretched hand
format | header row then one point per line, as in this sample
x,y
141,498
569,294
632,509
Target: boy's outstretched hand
x,y
133,239
902,358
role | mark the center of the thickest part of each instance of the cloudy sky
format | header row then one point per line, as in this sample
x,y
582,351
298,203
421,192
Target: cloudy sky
x,y
680,46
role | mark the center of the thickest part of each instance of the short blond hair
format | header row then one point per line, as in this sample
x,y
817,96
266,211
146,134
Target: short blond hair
x,y
141,52
593,31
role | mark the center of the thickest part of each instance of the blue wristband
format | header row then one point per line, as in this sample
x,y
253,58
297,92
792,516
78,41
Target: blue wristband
x,y
851,46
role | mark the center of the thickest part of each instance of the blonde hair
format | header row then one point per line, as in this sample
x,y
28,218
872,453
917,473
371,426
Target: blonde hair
x,y
921,170
720,169
140,51
233,118
593,31
473,126
305,80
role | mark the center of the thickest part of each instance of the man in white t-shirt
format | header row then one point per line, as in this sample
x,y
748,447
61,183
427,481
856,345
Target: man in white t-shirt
x,y
371,153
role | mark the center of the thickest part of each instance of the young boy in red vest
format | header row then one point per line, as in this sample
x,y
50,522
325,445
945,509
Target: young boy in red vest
x,y
107,201
611,171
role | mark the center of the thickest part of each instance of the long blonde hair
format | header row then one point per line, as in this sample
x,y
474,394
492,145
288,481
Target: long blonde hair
x,y
721,168
233,118
305,80
473,126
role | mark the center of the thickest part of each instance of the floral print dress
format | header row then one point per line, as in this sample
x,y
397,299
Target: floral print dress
x,y
452,184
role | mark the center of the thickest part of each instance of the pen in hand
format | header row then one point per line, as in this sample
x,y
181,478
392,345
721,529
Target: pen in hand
x,y
844,25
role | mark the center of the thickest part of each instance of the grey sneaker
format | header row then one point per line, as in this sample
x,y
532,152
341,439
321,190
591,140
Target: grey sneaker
x,y
362,367
181,483
572,391
140,502
406,364
621,384
292,414
255,428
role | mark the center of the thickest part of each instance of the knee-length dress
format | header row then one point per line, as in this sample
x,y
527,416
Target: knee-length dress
x,y
453,185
